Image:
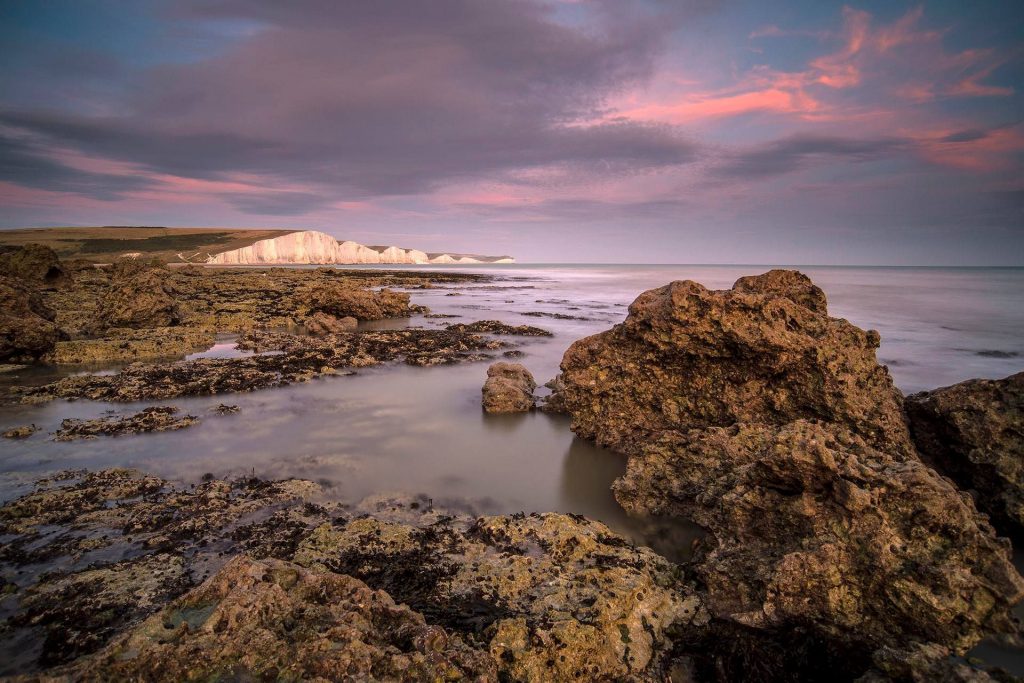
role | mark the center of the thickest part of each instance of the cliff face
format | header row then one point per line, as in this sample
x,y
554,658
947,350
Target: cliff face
x,y
311,246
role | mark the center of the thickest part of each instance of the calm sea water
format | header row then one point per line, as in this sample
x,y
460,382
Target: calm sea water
x,y
421,430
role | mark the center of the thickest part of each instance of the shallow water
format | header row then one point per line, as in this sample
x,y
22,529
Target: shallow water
x,y
421,430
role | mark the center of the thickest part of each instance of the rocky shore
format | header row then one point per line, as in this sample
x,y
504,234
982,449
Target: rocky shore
x,y
843,538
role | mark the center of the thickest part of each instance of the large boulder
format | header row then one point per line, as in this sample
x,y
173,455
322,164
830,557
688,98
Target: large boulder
x,y
340,300
770,424
141,300
765,352
973,432
33,263
508,389
27,330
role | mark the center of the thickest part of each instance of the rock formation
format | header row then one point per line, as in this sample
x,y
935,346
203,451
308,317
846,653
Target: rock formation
x,y
33,263
508,389
973,432
312,246
340,301
771,425
141,300
27,330
321,323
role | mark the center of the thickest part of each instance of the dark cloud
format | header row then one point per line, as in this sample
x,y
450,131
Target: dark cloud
x,y
795,152
966,135
24,163
353,100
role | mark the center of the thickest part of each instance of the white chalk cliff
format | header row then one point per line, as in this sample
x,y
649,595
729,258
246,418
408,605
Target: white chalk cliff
x,y
312,246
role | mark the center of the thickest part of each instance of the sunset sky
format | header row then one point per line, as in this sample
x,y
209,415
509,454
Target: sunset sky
x,y
800,132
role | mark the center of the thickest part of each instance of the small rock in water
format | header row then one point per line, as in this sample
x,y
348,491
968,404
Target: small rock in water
x,y
155,419
22,432
224,409
508,389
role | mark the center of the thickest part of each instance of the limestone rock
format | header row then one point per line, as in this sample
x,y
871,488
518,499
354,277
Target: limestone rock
x,y
27,330
973,432
141,300
771,425
33,263
273,620
321,323
508,389
340,301
687,357
550,596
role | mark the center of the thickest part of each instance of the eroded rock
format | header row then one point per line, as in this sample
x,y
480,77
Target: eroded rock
x,y
973,432
140,300
155,419
498,327
321,323
508,389
33,263
27,330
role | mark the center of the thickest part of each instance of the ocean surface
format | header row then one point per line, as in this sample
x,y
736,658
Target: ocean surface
x,y
398,428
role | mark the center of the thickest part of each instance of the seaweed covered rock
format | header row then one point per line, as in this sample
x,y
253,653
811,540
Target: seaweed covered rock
x,y
508,389
140,300
154,419
27,330
273,620
341,300
770,424
550,596
688,358
973,432
128,345
33,263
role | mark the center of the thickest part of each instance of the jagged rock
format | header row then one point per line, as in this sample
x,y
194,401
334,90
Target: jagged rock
x,y
508,389
687,357
341,301
141,300
27,330
754,414
273,620
811,526
155,419
550,596
926,663
33,263
973,432
321,323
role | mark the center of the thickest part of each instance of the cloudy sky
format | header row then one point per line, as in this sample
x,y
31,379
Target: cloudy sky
x,y
803,132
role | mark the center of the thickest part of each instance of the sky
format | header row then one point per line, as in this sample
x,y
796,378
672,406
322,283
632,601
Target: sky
x,y
653,131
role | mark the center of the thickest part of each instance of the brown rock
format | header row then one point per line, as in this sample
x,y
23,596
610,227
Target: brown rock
x,y
273,620
341,301
973,432
771,425
33,263
320,324
687,357
155,419
141,300
508,389
22,432
26,328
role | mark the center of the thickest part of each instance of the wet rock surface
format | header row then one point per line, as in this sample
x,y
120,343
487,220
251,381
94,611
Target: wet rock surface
x,y
155,419
128,345
498,327
771,425
973,432
20,432
296,588
27,330
508,389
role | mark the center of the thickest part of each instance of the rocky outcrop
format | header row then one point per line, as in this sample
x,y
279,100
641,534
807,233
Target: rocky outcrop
x,y
341,301
771,425
155,419
498,327
973,432
140,300
33,263
128,346
27,330
321,323
312,246
508,389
